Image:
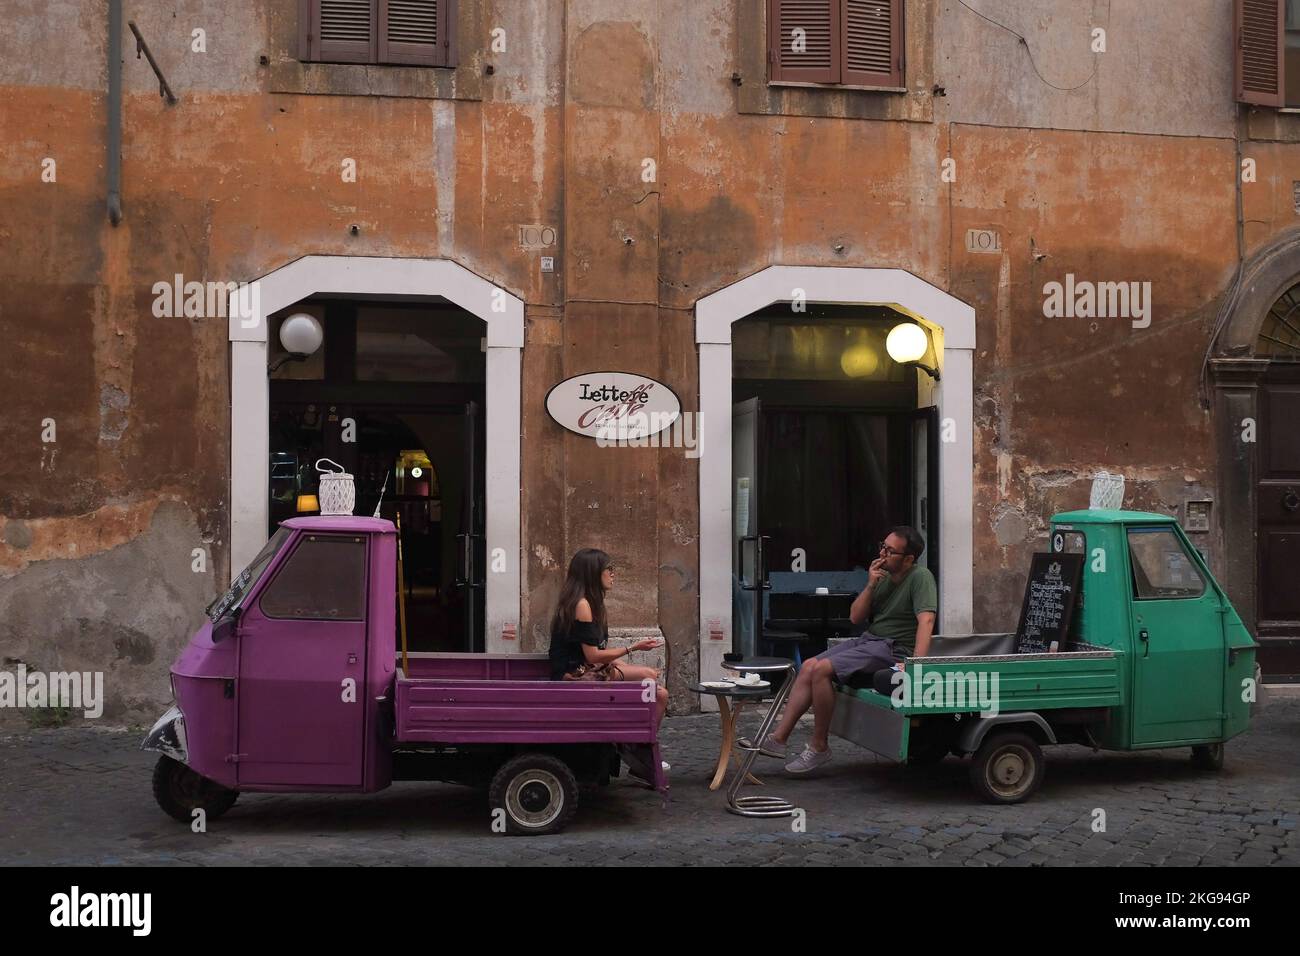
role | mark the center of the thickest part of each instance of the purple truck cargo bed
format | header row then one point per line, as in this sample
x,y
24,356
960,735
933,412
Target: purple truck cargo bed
x,y
511,667
508,699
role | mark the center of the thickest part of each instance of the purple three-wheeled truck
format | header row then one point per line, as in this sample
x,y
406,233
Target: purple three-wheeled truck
x,y
295,684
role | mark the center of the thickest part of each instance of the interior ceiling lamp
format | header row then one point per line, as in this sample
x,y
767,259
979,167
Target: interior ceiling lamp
x,y
300,335
907,344
414,458
859,360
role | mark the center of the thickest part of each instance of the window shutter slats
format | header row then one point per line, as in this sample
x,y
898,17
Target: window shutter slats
x,y
850,42
873,42
343,31
804,40
412,32
1259,27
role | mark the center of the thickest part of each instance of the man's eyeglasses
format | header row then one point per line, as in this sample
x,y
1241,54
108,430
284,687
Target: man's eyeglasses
x,y
886,549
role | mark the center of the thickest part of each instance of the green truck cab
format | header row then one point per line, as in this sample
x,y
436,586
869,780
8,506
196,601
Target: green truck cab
x,y
1157,658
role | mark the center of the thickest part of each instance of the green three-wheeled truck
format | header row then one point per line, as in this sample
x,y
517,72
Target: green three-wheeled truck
x,y
1157,658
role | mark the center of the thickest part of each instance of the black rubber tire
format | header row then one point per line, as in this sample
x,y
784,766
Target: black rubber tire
x,y
180,791
1208,757
1007,768
538,793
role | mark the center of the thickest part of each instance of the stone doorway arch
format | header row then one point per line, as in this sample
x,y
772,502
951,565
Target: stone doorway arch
x,y
952,324
1237,374
392,279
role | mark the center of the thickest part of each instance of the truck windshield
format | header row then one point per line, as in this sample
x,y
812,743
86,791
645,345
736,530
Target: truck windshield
x,y
248,577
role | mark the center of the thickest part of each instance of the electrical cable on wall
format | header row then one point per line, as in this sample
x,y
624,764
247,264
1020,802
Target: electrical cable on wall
x,y
1029,53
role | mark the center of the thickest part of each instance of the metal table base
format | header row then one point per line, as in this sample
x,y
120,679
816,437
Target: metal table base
x,y
765,805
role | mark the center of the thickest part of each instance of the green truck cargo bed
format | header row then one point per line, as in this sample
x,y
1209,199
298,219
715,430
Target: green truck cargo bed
x,y
1083,677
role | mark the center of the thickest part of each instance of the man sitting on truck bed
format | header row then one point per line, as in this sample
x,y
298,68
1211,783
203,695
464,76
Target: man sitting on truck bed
x,y
899,603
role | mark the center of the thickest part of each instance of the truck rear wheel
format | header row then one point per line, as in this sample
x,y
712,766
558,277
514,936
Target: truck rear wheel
x,y
180,791
537,792
1208,757
1007,768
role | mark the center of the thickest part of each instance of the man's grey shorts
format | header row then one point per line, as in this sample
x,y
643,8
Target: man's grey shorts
x,y
864,653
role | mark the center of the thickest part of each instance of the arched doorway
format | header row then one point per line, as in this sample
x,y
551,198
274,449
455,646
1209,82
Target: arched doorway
x,y
1255,373
950,324
391,281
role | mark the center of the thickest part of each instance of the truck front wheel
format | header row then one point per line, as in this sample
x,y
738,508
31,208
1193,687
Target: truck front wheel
x,y
180,791
1007,768
535,793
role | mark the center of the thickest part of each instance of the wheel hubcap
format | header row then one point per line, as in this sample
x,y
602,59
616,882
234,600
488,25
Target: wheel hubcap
x,y
534,798
1008,773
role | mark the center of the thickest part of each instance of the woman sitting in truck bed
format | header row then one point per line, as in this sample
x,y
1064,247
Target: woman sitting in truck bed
x,y
579,632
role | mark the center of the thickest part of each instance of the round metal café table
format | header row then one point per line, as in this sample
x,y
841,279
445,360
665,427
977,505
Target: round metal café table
x,y
732,702
761,806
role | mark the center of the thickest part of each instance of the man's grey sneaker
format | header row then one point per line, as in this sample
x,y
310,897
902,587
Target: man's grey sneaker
x,y
771,746
808,761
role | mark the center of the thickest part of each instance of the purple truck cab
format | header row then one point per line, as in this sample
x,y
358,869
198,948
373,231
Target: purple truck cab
x,y
294,684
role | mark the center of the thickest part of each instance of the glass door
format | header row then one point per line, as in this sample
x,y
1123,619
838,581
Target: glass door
x,y
924,511
749,574
470,541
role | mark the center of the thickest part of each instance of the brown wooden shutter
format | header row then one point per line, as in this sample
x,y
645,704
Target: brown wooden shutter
x,y
414,32
341,31
819,60
873,43
1260,26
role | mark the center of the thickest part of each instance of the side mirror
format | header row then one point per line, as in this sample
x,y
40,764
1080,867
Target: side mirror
x,y
226,626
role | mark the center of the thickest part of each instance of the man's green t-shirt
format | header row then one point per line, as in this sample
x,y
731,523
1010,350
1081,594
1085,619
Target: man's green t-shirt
x,y
894,608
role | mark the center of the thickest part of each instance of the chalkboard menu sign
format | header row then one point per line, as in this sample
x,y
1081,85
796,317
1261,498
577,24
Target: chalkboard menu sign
x,y
1050,598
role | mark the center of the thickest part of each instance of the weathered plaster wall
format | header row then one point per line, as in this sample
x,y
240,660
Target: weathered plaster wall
x,y
1130,176
124,605
227,185
1166,69
1059,398
1146,194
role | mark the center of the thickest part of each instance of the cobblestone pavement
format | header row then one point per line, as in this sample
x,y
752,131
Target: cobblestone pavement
x,y
83,796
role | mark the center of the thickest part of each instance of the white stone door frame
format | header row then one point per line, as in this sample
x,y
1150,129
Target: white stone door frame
x,y
396,280
951,324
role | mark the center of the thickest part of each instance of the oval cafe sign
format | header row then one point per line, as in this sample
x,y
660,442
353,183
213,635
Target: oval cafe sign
x,y
618,407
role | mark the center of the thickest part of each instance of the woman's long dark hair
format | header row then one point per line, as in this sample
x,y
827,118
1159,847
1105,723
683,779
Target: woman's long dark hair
x,y
583,581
